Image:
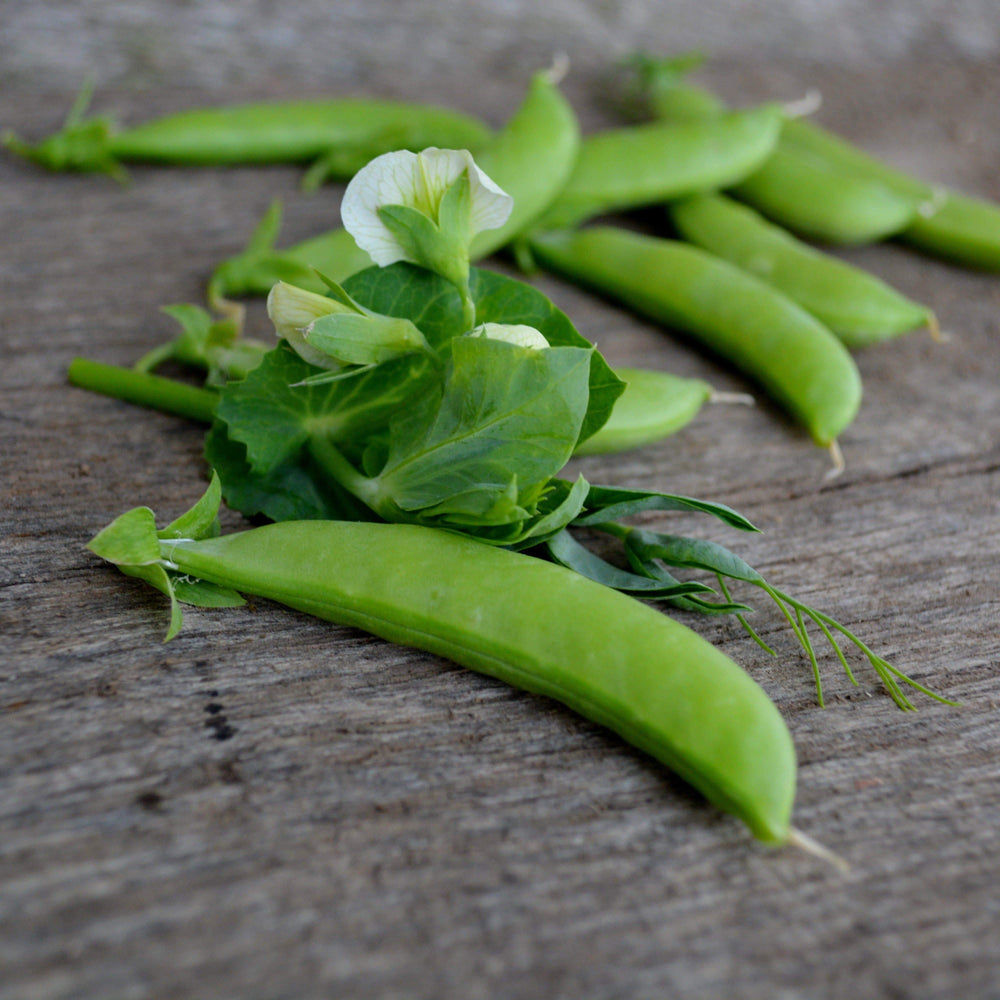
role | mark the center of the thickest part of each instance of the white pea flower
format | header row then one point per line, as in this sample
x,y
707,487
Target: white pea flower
x,y
512,333
419,181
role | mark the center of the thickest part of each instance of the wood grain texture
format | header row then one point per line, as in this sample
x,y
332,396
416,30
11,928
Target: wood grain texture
x,y
379,823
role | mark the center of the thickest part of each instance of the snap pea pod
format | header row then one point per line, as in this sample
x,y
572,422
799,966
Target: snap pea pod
x,y
639,165
794,186
804,194
340,135
824,187
948,224
797,360
530,158
858,307
525,621
653,406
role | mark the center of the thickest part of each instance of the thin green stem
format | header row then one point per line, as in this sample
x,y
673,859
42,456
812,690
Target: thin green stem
x,y
143,389
742,618
338,468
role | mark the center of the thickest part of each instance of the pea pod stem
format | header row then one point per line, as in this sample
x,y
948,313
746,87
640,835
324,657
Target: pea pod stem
x,y
143,389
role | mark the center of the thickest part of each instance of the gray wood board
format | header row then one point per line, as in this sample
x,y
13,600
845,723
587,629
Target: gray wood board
x,y
380,823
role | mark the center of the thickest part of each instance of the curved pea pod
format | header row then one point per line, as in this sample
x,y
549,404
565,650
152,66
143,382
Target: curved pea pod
x,y
531,158
794,186
654,405
530,623
796,359
644,164
340,135
858,307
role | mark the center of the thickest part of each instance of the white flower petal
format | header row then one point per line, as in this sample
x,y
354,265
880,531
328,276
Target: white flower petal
x,y
419,181
491,205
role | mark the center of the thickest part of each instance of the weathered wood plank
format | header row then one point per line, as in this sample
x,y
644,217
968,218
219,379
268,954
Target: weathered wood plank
x,y
365,820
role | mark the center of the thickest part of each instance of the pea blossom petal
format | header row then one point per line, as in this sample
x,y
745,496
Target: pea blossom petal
x,y
418,181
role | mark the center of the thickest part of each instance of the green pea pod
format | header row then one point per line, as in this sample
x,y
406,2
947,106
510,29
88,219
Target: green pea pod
x,y
808,196
793,186
530,158
644,164
528,622
957,227
653,406
341,134
824,187
858,307
797,360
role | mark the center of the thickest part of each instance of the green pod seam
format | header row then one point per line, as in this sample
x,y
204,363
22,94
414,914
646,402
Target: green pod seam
x,y
534,625
653,406
858,307
640,165
797,360
347,132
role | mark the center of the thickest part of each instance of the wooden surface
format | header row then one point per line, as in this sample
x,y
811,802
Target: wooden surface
x,y
270,806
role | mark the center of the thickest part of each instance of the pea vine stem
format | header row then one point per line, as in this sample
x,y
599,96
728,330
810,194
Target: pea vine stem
x,y
143,389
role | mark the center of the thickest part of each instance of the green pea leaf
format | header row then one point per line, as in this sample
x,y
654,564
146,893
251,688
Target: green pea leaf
x,y
274,414
290,491
606,503
567,551
507,422
694,553
434,306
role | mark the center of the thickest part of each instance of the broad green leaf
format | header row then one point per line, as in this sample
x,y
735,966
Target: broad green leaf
x,y
295,490
274,415
507,413
129,540
433,305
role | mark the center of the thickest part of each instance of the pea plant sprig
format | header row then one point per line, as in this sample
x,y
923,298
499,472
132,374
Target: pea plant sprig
x,y
427,392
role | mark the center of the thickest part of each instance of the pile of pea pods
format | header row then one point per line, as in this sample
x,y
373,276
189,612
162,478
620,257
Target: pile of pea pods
x,y
747,194
745,197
